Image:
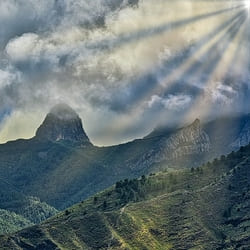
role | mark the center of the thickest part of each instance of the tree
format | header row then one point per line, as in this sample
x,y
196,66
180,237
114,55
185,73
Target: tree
x,y
143,179
104,205
232,155
227,213
125,182
118,184
223,158
215,162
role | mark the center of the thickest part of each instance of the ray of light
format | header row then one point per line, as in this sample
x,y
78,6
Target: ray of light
x,y
212,58
199,103
181,57
247,5
124,39
209,68
201,44
142,91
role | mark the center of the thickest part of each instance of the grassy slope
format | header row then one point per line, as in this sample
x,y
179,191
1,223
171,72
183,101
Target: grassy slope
x,y
204,208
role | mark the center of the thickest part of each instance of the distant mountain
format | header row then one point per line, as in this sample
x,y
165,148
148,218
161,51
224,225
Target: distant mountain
x,y
198,208
62,123
228,133
61,166
174,146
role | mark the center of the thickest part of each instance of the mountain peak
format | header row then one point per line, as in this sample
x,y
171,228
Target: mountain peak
x,y
196,124
63,112
62,123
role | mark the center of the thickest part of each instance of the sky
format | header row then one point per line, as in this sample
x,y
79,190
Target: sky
x,y
125,66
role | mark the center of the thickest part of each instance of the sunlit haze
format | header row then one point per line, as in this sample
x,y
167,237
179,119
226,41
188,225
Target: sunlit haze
x,y
125,66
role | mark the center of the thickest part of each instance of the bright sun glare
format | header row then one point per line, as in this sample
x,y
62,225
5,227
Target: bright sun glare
x,y
247,5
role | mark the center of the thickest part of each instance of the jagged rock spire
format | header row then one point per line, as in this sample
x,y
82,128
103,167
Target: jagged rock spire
x,y
62,123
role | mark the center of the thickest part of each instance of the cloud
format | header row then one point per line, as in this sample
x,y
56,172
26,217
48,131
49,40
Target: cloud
x,y
7,77
220,94
223,94
34,16
171,102
18,17
120,62
22,47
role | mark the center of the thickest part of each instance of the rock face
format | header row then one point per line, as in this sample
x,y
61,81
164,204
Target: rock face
x,y
62,123
188,141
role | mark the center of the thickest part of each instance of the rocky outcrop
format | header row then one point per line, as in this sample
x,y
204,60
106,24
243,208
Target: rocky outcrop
x,y
62,123
187,141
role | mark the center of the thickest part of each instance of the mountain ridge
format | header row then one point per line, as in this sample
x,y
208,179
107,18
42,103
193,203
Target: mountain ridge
x,y
70,171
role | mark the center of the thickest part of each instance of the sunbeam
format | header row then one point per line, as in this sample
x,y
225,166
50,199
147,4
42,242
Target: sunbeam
x,y
247,5
118,62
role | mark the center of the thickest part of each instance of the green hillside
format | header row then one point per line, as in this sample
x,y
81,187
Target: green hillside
x,y
11,222
197,208
19,211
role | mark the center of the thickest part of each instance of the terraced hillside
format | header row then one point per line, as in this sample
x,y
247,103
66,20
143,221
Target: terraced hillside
x,y
197,208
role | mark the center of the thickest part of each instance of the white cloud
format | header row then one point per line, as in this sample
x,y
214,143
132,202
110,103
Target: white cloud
x,y
171,102
222,93
7,77
20,48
